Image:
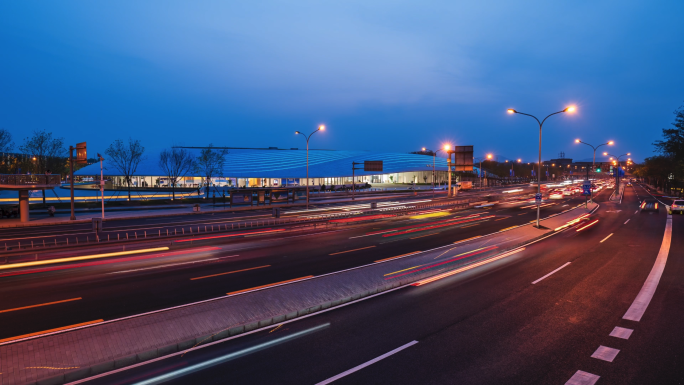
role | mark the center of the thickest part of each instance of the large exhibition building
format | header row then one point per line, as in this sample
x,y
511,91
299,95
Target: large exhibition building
x,y
275,167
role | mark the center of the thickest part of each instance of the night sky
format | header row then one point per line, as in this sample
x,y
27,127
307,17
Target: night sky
x,y
382,75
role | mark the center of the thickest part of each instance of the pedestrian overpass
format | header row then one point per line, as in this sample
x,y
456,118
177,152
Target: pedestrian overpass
x,y
23,184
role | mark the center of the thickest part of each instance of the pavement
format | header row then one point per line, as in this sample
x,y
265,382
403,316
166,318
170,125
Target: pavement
x,y
553,314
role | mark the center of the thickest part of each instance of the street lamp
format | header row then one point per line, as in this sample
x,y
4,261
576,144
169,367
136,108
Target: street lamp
x,y
593,162
617,171
434,155
101,183
320,128
489,156
541,124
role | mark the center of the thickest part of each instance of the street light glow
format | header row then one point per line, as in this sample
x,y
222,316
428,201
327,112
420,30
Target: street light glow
x,y
297,132
605,153
570,109
321,127
611,143
629,153
489,156
511,111
577,140
519,160
447,147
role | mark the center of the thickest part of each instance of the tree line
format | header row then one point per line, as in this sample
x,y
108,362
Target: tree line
x,y
44,153
666,169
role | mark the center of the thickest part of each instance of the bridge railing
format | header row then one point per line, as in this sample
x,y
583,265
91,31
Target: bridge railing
x,y
31,179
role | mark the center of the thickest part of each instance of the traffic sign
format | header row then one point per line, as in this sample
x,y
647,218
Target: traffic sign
x,y
586,187
538,197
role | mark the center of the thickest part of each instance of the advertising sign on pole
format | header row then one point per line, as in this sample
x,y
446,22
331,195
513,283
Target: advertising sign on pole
x,y
372,165
81,153
463,158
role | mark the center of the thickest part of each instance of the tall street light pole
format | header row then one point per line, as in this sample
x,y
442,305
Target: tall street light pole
x,y
101,183
593,163
489,156
320,128
617,171
541,124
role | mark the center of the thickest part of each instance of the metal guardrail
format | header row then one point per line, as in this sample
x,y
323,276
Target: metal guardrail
x,y
29,179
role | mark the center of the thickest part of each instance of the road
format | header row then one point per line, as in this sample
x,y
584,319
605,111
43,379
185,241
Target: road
x,y
506,322
123,286
122,229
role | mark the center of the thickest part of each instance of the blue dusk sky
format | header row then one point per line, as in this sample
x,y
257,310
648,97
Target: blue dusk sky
x,y
381,75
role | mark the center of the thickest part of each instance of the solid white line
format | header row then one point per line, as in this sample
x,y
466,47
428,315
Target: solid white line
x,y
626,221
159,267
636,211
638,308
371,362
604,239
582,378
547,275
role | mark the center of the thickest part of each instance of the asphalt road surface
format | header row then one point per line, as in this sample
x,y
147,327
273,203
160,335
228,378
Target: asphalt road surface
x,y
44,298
535,318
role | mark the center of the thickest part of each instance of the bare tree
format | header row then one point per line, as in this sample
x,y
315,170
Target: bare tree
x,y
45,152
6,143
210,164
176,163
126,158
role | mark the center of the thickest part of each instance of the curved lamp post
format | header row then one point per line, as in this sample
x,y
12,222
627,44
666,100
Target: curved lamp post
x,y
617,172
489,156
593,162
320,128
541,124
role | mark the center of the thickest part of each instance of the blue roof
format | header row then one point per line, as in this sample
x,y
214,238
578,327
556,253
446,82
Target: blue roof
x,y
291,164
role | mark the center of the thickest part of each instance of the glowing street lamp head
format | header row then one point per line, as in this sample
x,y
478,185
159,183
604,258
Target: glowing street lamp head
x,y
629,153
605,153
577,140
611,143
570,109
519,160
489,156
297,132
511,111
321,127
423,148
447,147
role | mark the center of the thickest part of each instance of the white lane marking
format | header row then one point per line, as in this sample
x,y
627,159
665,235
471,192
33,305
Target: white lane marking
x,y
565,205
159,267
547,275
582,378
638,308
605,353
606,238
623,333
636,211
627,221
374,360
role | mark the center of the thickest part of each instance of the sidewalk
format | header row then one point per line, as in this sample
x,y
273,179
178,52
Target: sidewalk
x,y
106,345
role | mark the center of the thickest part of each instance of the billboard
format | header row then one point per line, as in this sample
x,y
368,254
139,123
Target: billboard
x,y
463,158
372,165
81,153
279,195
242,197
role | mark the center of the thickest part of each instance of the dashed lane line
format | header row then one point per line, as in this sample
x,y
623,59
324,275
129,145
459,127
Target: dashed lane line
x,y
365,364
606,238
549,274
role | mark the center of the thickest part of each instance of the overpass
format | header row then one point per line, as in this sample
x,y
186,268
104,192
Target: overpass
x,y
23,184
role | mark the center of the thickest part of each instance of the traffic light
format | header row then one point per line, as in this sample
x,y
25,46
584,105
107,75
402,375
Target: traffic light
x,y
598,169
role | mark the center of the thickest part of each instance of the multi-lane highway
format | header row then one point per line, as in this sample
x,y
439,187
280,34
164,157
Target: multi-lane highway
x,y
117,287
555,313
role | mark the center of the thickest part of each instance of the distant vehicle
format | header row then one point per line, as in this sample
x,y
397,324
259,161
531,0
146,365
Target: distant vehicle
x,y
556,195
629,184
677,207
567,192
649,205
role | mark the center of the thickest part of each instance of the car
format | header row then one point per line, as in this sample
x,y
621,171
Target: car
x,y
677,207
629,184
649,205
556,195
567,192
